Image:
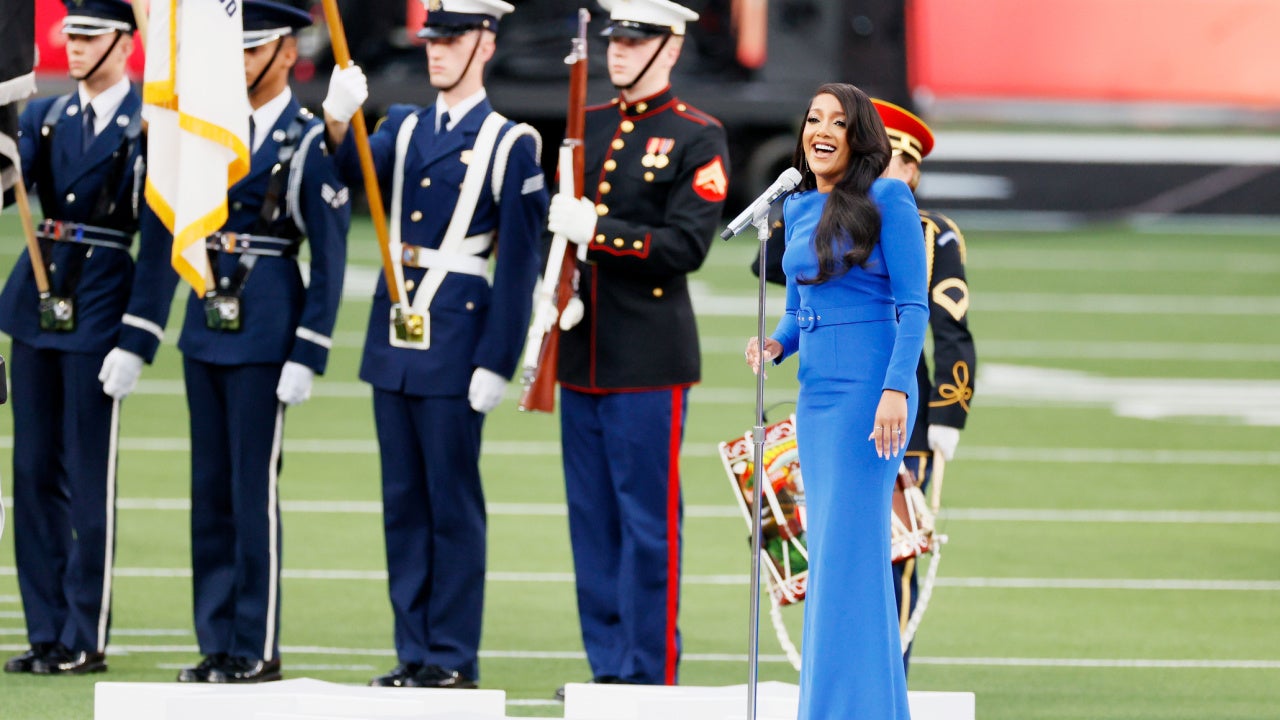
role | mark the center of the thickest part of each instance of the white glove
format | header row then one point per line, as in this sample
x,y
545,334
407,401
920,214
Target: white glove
x,y
574,218
348,89
120,372
295,383
943,439
486,390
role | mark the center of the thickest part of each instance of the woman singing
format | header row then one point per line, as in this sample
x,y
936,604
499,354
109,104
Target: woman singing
x,y
856,313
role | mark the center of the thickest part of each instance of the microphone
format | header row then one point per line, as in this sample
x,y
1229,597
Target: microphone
x,y
786,182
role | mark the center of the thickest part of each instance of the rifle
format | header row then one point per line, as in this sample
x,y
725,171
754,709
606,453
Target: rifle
x,y
556,288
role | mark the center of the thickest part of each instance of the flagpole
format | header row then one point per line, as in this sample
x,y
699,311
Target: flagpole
x,y
342,58
29,230
140,10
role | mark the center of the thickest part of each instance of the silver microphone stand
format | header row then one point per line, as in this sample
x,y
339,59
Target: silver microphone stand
x,y
760,219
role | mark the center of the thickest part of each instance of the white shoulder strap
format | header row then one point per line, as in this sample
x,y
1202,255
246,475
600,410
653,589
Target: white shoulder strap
x,y
403,139
481,153
504,151
295,176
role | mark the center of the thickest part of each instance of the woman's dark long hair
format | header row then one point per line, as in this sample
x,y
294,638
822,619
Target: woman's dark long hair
x,y
850,224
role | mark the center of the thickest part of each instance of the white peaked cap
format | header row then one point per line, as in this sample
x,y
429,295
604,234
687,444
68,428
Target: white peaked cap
x,y
496,8
652,12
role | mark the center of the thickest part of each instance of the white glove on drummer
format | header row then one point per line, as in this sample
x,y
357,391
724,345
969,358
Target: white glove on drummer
x,y
486,390
348,89
574,218
120,372
943,439
295,383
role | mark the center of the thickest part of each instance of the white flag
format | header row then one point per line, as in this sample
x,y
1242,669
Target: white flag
x,y
197,110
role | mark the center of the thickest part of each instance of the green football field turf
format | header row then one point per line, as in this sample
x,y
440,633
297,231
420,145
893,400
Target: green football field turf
x,y
1113,512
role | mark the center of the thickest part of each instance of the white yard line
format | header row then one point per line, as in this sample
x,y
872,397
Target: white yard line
x,y
1174,584
1088,455
368,507
537,655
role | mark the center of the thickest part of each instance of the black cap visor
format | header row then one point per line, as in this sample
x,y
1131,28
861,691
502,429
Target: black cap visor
x,y
634,30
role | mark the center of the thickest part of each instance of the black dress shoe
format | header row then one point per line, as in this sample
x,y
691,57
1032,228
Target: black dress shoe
x,y
61,661
200,673
403,675
598,680
238,670
434,676
22,663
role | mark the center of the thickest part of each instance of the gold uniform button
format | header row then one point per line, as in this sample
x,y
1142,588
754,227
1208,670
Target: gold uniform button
x,y
619,242
408,284
600,238
682,107
426,182
470,305
657,292
605,188
416,215
642,107
648,177
602,209
610,165
627,126
71,197
639,244
618,144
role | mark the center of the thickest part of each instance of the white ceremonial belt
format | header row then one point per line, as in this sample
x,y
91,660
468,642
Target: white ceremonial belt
x,y
463,261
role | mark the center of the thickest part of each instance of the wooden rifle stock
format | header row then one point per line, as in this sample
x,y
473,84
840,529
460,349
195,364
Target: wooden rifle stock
x,y
542,347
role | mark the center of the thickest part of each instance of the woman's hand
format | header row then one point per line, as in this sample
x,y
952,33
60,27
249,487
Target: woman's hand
x,y
890,430
772,349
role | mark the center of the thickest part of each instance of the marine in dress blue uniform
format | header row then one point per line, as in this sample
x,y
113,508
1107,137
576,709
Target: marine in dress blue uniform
x,y
656,179
250,349
945,393
82,153
467,208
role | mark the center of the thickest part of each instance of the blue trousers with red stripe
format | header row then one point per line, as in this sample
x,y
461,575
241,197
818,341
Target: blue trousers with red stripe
x,y
622,479
64,485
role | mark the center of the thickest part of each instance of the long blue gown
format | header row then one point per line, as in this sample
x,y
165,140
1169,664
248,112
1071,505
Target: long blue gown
x,y
857,335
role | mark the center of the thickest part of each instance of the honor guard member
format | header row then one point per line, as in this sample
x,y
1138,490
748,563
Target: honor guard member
x,y
465,192
251,348
949,387
79,351
656,179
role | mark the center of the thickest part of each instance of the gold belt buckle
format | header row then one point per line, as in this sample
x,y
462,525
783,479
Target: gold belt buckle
x,y
410,329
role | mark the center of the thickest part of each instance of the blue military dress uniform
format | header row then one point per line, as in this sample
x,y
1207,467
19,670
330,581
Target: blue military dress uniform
x,y
656,169
429,436
65,427
237,423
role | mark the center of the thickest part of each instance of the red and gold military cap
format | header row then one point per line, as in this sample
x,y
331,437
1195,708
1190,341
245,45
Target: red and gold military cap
x,y
907,133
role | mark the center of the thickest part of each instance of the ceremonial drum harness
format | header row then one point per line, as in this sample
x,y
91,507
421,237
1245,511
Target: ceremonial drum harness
x,y
783,523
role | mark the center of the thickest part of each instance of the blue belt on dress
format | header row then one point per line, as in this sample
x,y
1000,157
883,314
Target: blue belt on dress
x,y
808,319
74,232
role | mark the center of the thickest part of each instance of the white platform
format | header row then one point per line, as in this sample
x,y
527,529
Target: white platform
x,y
291,700
774,701
306,699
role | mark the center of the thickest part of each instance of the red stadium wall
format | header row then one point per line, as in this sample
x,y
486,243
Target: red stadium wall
x,y
1182,51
